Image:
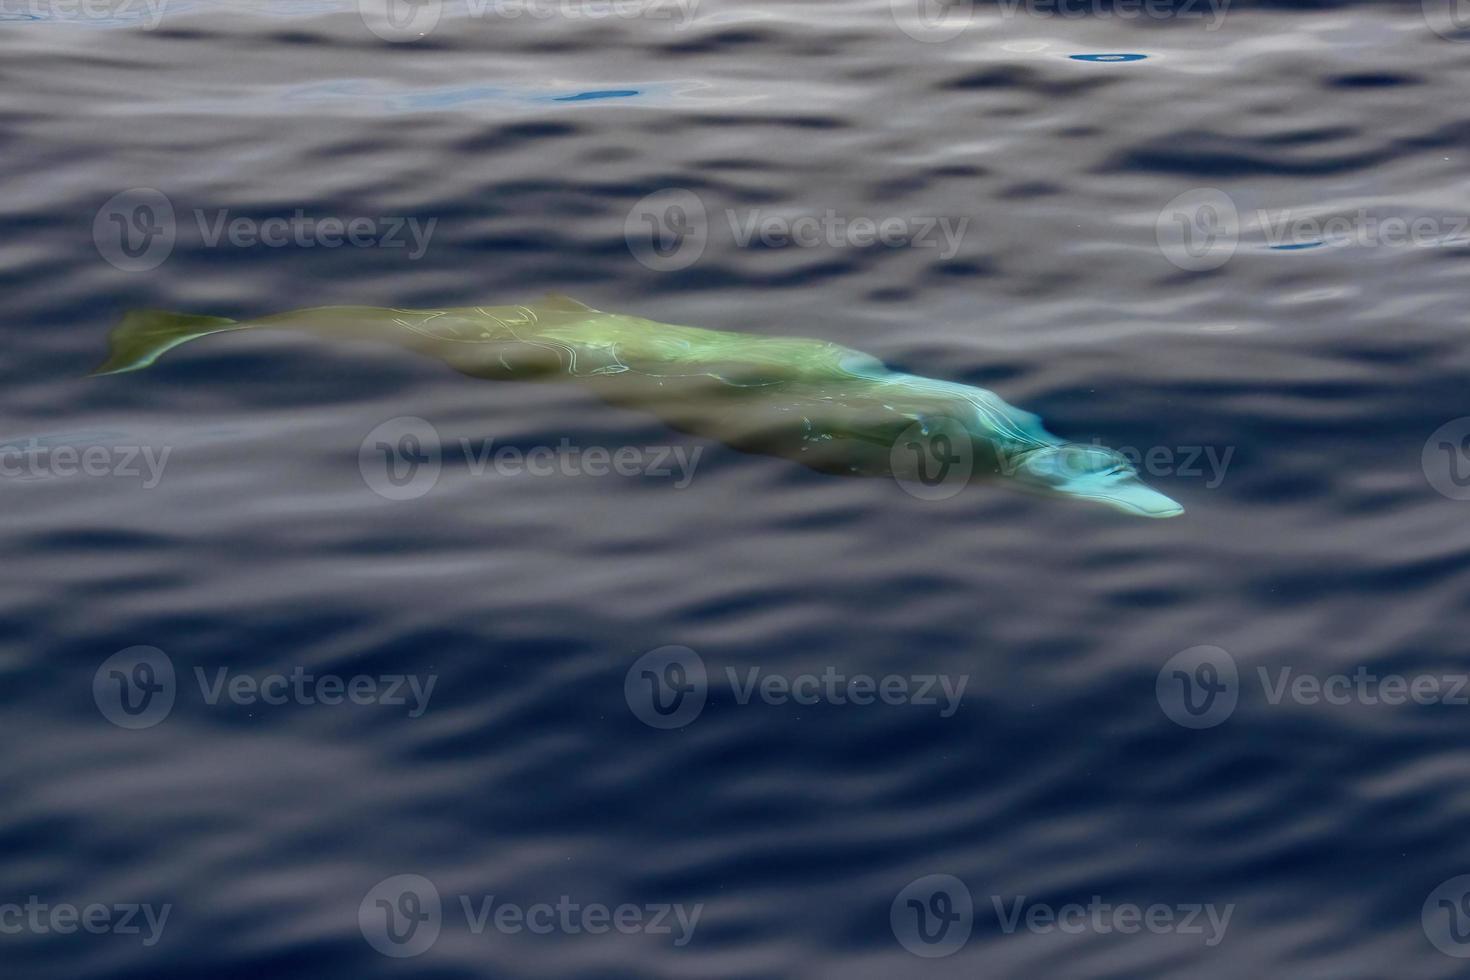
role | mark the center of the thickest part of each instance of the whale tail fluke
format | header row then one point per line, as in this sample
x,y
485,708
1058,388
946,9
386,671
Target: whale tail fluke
x,y
143,335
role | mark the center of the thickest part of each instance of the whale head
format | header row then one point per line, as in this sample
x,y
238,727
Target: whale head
x,y
1094,473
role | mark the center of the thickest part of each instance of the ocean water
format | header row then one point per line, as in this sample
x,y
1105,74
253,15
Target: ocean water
x,y
273,710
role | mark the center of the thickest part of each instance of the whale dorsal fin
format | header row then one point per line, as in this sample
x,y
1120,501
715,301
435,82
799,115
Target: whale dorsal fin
x,y
563,303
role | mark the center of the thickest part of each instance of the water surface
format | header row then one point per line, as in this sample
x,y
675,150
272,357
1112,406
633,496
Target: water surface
x,y
1329,542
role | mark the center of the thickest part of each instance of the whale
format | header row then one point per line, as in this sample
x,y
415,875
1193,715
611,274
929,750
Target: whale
x,y
829,407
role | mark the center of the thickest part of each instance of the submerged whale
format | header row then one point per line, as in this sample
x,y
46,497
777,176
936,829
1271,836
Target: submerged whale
x,y
829,407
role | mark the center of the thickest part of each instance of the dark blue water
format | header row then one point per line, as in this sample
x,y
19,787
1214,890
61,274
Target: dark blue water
x,y
1235,247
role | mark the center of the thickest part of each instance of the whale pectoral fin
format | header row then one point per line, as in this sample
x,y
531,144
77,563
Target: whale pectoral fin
x,y
561,303
143,335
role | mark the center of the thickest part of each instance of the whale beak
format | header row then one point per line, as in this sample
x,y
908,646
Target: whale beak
x,y
1093,473
1132,496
